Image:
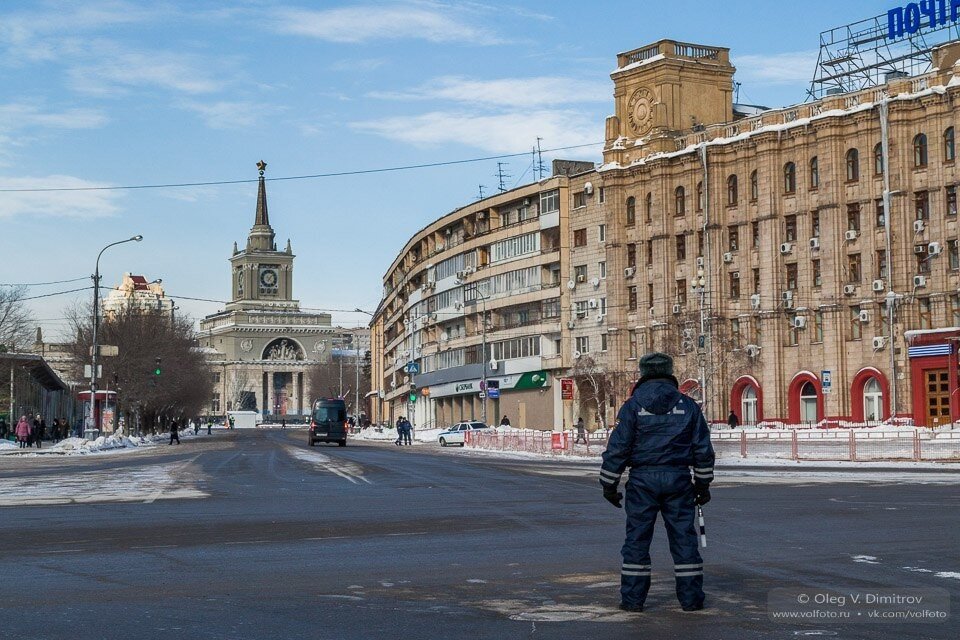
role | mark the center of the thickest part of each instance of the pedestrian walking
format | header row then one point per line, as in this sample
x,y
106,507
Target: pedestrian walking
x,y
399,428
209,426
407,432
283,424
660,434
3,428
581,431
174,434
22,431
732,420
504,421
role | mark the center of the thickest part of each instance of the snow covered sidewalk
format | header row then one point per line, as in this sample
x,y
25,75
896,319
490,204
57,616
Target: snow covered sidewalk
x,y
115,443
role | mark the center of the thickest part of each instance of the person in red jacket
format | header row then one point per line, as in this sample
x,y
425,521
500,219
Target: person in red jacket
x,y
23,432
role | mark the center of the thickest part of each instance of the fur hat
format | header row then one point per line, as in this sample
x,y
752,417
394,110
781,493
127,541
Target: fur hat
x,y
656,365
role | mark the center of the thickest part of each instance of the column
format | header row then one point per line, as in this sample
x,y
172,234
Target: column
x,y
270,394
300,393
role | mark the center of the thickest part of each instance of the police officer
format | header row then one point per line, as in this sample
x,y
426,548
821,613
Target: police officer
x,y
660,434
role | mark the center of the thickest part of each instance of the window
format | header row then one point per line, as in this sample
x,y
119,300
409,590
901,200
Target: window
x,y
700,243
817,327
949,145
216,377
682,293
952,201
754,186
815,224
735,285
853,217
583,344
631,211
649,253
878,159
923,260
920,151
650,296
925,312
856,328
881,264
733,238
793,333
681,248
579,199
580,273
755,235
631,298
512,248
881,216
955,309
648,208
680,198
215,403
809,414
853,165
789,178
550,201
790,228
732,191
814,173
700,196
817,275
756,280
632,255
748,406
551,308
954,253
514,348
603,306
580,238
603,270
603,342
633,343
872,401
921,200
854,268
735,336
602,233
792,276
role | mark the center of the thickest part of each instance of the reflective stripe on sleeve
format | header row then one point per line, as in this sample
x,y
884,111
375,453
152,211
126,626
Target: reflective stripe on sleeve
x,y
609,476
703,476
642,574
681,567
636,566
703,470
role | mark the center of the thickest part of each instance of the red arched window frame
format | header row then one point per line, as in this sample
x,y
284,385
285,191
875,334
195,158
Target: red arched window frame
x,y
793,396
856,393
736,396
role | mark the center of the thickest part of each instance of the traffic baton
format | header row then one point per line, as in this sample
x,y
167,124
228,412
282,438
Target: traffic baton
x,y
703,530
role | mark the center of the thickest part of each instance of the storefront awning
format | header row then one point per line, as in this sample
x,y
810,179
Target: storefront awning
x,y
37,367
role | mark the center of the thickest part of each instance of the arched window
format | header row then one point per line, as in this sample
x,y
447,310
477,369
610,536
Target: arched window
x,y
754,186
732,190
949,145
920,150
789,178
680,197
748,407
853,165
808,404
814,173
878,159
631,211
699,196
872,401
648,207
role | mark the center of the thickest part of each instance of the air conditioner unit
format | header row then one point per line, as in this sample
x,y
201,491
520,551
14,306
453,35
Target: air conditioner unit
x,y
735,275
677,309
786,295
461,275
814,243
864,317
920,249
469,270
880,342
851,234
576,355
581,314
918,226
934,248
786,247
629,272
493,365
600,318
728,257
849,289
444,336
919,281
595,282
440,246
592,303
752,350
581,279
878,285
571,325
572,285
800,322
430,284
588,188
481,215
788,304
699,263
755,301
526,202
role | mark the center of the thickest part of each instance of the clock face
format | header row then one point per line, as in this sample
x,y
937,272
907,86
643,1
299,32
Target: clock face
x,y
268,278
640,111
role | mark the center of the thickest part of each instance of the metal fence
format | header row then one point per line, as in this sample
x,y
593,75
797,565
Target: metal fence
x,y
854,445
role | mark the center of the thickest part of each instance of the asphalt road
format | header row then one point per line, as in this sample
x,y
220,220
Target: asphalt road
x,y
255,535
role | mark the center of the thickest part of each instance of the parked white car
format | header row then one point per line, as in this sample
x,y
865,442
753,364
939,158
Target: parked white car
x,y
456,433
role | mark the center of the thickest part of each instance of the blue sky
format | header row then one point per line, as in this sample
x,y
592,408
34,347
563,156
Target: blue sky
x,y
108,93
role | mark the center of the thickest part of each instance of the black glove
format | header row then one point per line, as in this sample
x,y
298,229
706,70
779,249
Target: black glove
x,y
614,497
701,494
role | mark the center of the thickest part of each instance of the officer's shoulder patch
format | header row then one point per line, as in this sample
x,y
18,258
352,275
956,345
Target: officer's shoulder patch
x,y
643,412
678,411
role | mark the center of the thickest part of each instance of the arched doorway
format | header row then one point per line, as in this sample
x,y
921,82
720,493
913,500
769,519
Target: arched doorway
x,y
748,407
869,396
808,404
746,400
805,399
872,401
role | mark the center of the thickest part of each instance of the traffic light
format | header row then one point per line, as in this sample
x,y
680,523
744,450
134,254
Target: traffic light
x,y
157,370
413,393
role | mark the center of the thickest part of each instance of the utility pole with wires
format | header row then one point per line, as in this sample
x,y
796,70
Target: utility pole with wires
x,y
502,176
538,169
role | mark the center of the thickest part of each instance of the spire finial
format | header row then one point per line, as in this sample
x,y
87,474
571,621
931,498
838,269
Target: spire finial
x,y
262,166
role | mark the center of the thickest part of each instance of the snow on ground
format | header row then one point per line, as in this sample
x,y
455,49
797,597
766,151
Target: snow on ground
x,y
389,434
115,443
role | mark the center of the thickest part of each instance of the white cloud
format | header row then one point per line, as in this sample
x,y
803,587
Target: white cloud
x,y
229,115
117,70
55,204
512,132
776,69
19,116
358,65
507,92
433,23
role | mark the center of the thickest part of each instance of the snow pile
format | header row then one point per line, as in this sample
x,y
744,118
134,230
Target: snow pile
x,y
80,446
7,444
389,434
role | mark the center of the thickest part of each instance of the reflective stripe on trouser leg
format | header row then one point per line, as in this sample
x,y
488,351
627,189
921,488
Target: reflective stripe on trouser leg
x,y
641,511
679,516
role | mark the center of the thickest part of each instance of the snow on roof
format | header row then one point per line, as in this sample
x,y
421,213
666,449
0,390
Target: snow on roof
x,y
916,333
640,63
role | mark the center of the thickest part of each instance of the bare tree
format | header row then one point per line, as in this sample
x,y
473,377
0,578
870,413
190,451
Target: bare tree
x,y
596,385
15,319
324,379
238,389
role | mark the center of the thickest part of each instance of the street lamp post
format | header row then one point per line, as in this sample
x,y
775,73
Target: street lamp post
x,y
91,432
700,287
483,356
